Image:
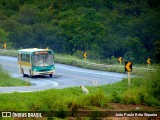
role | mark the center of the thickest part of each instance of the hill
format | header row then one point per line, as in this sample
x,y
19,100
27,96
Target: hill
x,y
102,28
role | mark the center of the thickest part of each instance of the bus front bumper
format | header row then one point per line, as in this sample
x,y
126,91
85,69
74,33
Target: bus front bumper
x,y
44,72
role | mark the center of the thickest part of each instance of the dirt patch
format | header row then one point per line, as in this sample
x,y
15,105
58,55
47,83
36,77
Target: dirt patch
x,y
120,107
130,118
124,112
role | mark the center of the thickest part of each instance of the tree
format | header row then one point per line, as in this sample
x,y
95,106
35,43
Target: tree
x,y
136,50
28,14
4,38
157,51
102,28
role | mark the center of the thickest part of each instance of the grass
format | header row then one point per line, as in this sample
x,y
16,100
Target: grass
x,y
6,80
73,99
9,53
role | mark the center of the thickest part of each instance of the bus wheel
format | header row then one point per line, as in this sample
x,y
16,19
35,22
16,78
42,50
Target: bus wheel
x,y
30,75
23,73
50,75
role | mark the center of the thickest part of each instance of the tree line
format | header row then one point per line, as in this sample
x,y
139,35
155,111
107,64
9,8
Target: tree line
x,y
102,28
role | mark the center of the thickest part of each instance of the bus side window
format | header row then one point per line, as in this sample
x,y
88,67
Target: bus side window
x,y
35,60
23,57
18,56
28,57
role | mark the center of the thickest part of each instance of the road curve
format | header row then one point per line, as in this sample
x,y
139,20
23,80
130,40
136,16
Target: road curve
x,y
66,76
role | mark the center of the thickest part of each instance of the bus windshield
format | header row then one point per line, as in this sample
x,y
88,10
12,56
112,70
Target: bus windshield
x,y
42,60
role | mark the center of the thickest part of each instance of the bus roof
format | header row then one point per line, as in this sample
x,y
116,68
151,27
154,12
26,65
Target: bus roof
x,y
30,50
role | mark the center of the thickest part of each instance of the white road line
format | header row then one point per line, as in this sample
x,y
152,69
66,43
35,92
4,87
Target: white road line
x,y
94,82
9,65
119,76
10,59
80,71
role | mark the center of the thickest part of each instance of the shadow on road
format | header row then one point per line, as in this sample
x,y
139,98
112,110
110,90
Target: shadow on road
x,y
42,76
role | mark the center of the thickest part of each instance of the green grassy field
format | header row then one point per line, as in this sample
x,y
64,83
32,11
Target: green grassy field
x,y
6,80
8,53
141,92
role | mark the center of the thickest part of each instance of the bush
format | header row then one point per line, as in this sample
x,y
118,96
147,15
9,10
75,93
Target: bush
x,y
153,84
131,97
151,101
73,106
79,54
90,55
115,98
141,97
96,115
98,99
9,53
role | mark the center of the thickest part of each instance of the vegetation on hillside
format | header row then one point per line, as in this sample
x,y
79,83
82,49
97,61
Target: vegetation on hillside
x,y
102,28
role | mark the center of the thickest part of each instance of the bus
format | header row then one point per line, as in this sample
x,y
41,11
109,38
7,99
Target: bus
x,y
34,61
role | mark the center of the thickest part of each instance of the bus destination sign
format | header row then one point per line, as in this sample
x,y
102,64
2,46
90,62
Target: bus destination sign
x,y
41,52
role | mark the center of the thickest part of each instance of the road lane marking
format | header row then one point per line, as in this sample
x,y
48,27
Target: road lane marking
x,y
9,65
13,59
94,82
119,76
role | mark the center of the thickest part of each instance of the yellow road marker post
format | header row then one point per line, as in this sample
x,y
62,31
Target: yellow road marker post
x,y
4,45
148,61
85,55
129,80
120,60
128,69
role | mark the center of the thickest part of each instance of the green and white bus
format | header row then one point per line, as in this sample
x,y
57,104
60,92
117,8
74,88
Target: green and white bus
x,y
34,61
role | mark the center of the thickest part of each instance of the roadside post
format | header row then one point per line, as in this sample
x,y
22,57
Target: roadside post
x,y
148,61
85,55
120,60
4,46
128,69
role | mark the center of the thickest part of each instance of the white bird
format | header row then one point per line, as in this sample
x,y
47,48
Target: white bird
x,y
84,90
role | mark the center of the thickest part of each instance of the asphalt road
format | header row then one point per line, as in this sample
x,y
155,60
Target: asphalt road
x,y
65,76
